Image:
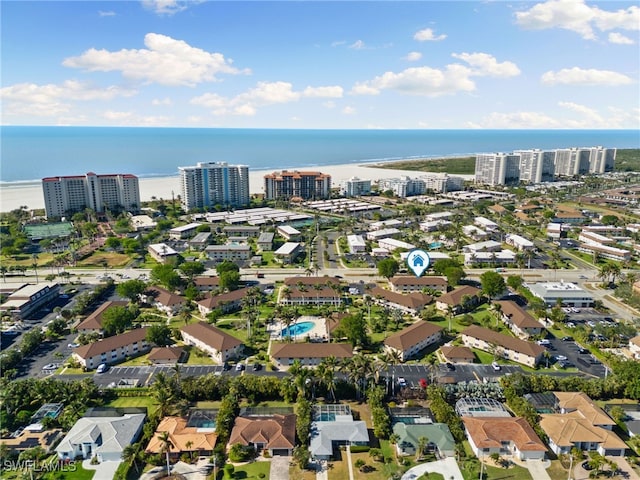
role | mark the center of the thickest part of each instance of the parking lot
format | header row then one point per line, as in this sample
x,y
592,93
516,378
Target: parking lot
x,y
413,374
569,349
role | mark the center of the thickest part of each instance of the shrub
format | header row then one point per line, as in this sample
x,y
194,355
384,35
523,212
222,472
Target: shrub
x,y
359,463
359,448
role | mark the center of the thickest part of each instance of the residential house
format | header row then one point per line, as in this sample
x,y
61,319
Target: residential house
x,y
580,423
506,346
184,439
164,300
439,438
411,303
275,434
162,253
519,320
112,350
519,242
93,323
456,299
311,291
226,302
410,283
218,344
308,354
166,355
510,436
411,340
103,437
30,438
334,426
356,244
457,354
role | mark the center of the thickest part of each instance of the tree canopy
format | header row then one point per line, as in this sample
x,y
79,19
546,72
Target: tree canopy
x,y
492,284
131,289
388,267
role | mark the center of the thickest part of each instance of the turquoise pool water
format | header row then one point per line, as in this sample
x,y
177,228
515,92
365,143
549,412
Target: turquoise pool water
x,y
297,329
435,245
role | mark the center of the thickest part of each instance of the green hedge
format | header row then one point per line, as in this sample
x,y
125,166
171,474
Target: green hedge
x,y
359,448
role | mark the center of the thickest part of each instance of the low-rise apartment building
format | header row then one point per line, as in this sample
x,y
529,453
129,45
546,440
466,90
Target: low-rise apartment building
x,y
112,350
93,323
241,231
411,340
162,253
233,252
511,348
409,283
226,302
219,345
519,320
183,231
310,291
30,298
411,303
519,242
288,252
308,354
457,298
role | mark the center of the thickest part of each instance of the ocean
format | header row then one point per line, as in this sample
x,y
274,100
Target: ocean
x,y
28,154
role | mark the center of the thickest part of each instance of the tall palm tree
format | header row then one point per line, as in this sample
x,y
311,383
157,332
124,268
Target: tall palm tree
x,y
34,265
422,444
167,445
327,374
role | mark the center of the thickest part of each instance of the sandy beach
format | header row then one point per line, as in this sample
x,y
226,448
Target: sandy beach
x,y
12,196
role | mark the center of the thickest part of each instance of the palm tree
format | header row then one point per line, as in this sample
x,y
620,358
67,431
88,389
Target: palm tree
x,y
167,445
3,272
34,257
422,444
188,446
327,373
131,454
318,288
302,289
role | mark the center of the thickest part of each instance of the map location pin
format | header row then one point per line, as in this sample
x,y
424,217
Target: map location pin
x,y
418,261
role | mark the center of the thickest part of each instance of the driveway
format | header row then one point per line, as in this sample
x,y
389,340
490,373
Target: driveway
x,y
279,468
104,470
538,469
448,468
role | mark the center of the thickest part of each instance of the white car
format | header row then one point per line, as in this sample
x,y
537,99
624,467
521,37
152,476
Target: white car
x,y
561,358
496,366
402,382
103,367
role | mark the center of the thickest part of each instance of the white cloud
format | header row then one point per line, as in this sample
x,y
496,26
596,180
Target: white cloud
x,y
323,92
52,99
165,61
109,13
587,77
348,111
161,101
133,119
357,45
413,56
583,117
576,16
620,39
517,120
263,94
588,114
338,43
165,7
485,64
427,35
433,82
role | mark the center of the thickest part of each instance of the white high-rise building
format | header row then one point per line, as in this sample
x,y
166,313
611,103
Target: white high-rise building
x,y
536,165
214,183
497,168
355,187
69,194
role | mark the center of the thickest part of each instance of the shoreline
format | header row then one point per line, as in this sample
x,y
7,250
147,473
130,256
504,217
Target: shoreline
x,y
29,192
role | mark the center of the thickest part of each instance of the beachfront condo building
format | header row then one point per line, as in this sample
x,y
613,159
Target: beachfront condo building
x,y
65,195
355,187
208,184
497,169
537,166
289,184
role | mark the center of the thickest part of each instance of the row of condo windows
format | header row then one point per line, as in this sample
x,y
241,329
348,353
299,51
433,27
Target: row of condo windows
x,y
39,294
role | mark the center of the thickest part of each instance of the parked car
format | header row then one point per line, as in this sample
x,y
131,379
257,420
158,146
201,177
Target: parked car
x,y
239,367
103,367
402,382
256,367
496,366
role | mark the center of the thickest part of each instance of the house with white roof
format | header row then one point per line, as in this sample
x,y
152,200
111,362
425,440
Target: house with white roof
x,y
519,242
486,224
161,252
103,437
503,257
333,426
356,244
392,244
474,232
289,233
184,231
288,252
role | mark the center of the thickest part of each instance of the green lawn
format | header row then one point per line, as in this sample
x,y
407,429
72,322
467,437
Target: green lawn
x,y
78,473
143,401
252,470
197,356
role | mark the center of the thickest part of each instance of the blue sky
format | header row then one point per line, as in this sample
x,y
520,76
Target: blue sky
x,y
410,65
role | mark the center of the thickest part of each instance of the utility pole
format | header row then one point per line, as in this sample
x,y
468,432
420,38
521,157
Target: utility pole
x,y
570,465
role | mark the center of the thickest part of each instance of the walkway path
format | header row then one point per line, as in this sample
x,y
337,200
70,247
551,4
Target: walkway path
x,y
348,449
448,468
322,470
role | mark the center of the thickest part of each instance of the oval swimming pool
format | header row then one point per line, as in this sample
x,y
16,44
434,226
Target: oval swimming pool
x,y
297,329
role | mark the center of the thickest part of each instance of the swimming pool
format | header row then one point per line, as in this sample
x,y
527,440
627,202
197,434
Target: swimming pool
x,y
297,329
435,245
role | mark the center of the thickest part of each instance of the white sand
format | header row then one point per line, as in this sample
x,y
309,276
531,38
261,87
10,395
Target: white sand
x,y
12,196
